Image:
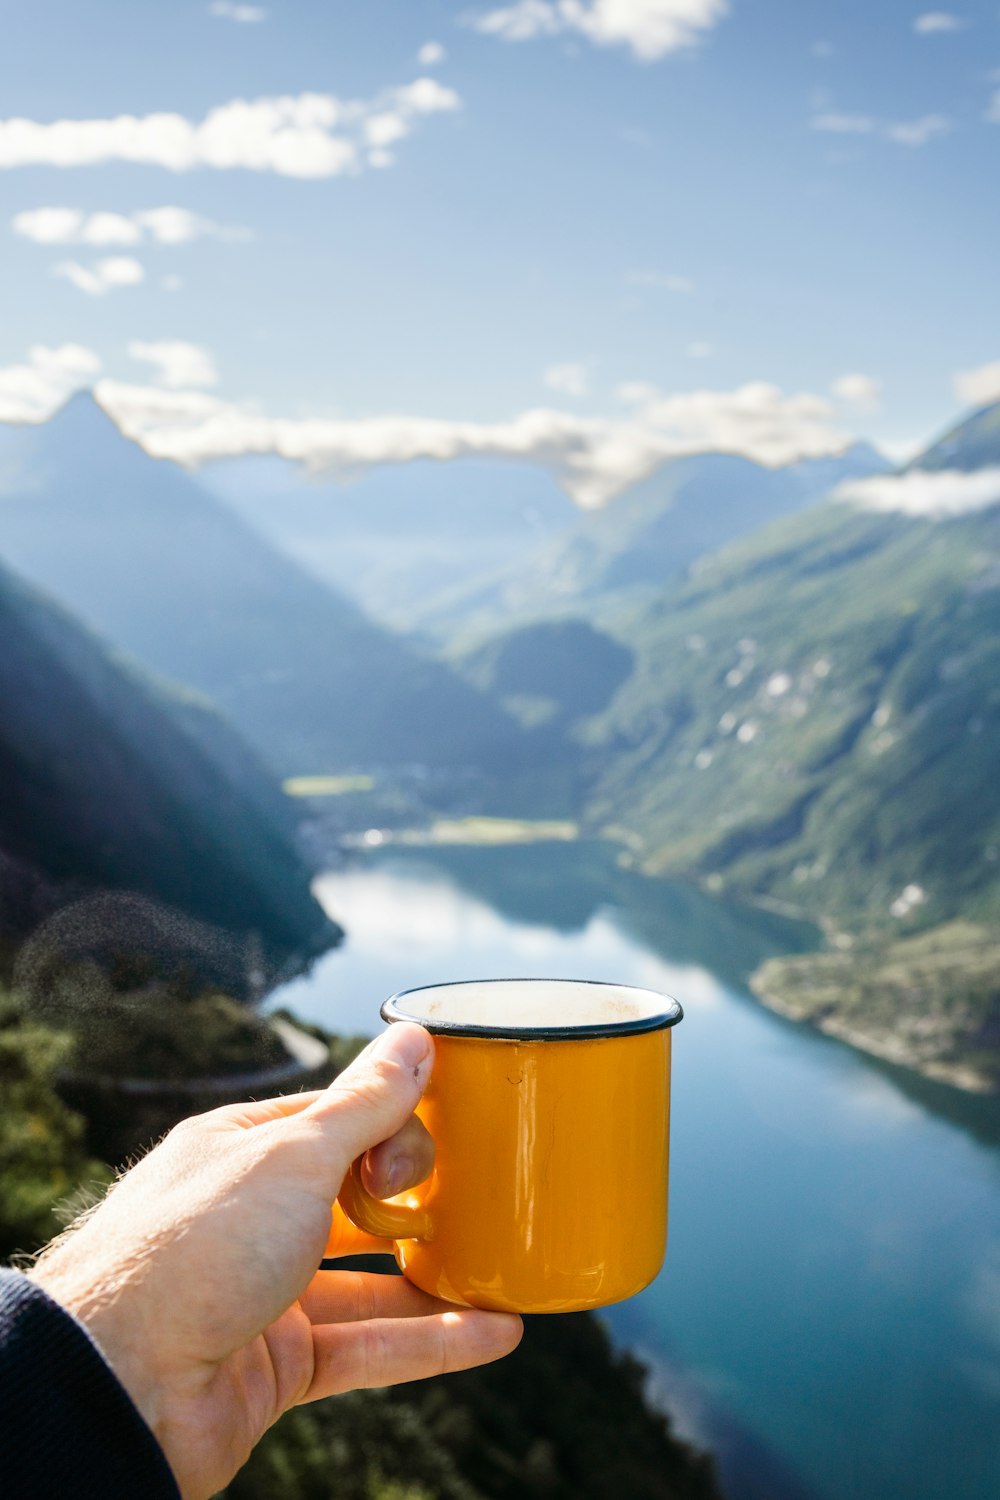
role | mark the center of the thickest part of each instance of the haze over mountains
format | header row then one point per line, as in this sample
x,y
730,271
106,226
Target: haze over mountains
x,y
173,576
398,536
462,545
644,540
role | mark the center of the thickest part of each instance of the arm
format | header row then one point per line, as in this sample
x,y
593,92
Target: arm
x,y
67,1426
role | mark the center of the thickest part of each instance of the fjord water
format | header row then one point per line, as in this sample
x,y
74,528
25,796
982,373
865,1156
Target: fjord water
x,y
828,1317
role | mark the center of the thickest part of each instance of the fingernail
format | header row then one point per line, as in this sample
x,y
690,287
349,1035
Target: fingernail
x,y
400,1174
406,1044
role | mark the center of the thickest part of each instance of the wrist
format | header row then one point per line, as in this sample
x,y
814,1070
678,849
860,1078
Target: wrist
x,y
92,1299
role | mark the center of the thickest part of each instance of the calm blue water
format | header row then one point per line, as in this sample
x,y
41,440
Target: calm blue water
x,y
828,1318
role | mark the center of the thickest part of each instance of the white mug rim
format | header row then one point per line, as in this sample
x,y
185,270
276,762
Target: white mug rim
x,y
665,1012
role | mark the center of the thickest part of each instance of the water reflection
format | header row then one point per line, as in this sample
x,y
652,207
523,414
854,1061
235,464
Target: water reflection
x,y
826,1316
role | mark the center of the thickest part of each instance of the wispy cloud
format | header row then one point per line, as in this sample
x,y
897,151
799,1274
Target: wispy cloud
x,y
933,22
649,28
303,135
979,386
247,15
593,458
569,378
918,132
431,54
30,391
839,124
177,365
903,133
102,276
863,392
668,281
167,226
936,494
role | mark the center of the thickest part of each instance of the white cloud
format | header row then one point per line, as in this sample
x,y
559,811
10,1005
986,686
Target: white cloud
x,y
860,391
385,129
650,28
936,494
103,275
31,391
937,21
700,349
756,419
246,14
918,132
303,135
171,225
110,229
665,279
980,386
49,226
177,364
570,379
593,458
843,124
142,408
167,226
430,54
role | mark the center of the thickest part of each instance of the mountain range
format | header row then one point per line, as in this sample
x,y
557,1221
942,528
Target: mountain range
x,y
785,697
397,536
824,693
642,541
811,717
173,576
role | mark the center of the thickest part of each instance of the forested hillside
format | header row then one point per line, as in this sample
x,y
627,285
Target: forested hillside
x,y
109,781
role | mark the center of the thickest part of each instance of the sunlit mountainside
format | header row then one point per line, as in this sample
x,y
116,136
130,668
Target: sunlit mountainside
x,y
812,717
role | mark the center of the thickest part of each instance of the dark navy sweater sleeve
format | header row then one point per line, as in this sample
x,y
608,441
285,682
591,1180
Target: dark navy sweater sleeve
x,y
67,1427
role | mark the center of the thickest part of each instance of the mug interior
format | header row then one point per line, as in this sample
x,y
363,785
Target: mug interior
x,y
533,1009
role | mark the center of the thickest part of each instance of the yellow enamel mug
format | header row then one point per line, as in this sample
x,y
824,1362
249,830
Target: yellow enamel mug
x,y
549,1107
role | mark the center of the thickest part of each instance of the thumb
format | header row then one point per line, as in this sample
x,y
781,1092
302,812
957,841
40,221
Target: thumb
x,y
376,1095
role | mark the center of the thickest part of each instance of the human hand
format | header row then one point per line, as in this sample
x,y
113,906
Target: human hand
x,y
197,1274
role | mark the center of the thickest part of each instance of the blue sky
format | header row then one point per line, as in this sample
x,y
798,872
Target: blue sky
x,y
793,194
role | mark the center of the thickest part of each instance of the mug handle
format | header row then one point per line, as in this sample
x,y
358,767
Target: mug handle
x,y
387,1221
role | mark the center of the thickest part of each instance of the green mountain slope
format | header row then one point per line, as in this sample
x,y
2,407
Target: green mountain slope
x,y
554,671
973,444
814,720
137,549
106,782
